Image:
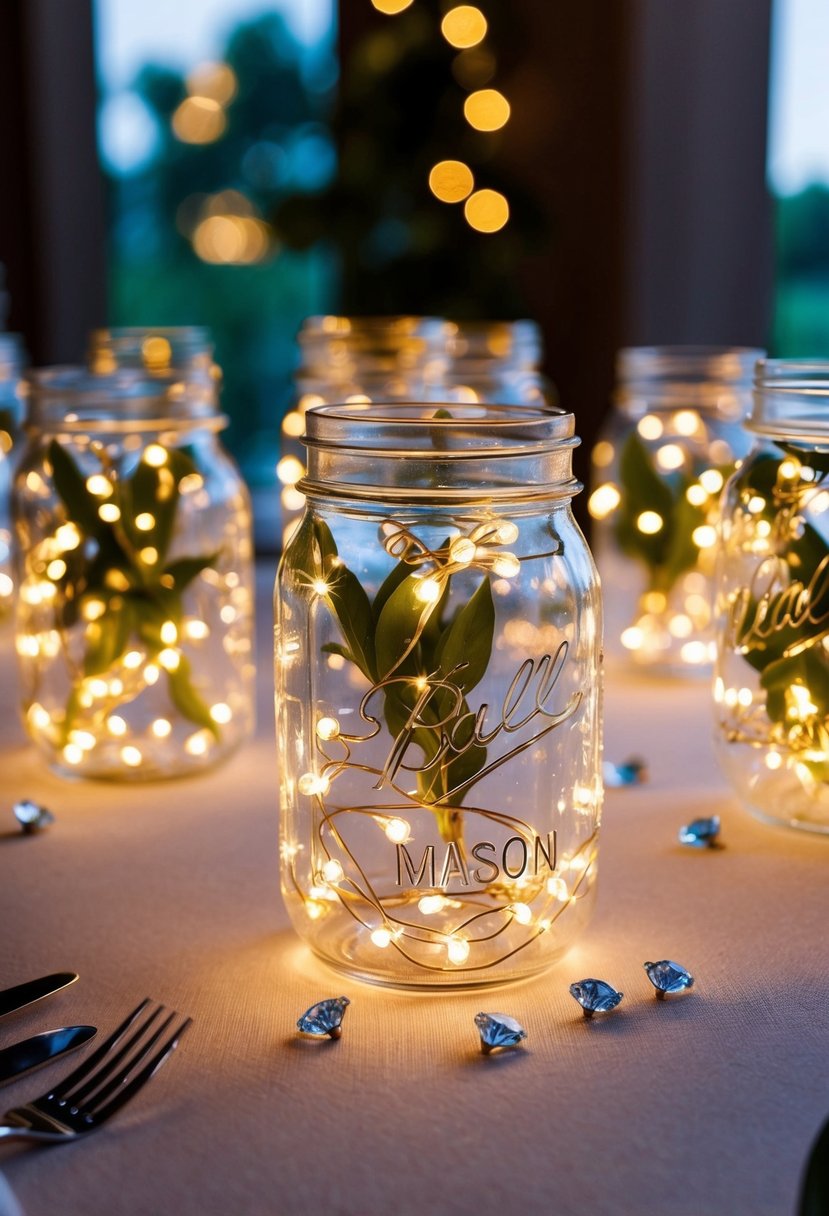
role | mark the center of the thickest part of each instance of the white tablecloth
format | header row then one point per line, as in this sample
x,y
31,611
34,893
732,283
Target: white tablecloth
x,y
704,1104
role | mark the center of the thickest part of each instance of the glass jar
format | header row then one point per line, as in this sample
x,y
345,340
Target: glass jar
x,y
657,474
356,359
496,361
186,351
134,625
772,678
438,695
11,408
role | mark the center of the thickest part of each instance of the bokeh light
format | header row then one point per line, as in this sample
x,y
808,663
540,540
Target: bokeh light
x,y
486,110
464,26
486,211
391,7
451,181
199,120
216,81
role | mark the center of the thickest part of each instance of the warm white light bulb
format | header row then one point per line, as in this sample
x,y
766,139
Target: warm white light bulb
x,y
332,871
397,830
328,728
457,950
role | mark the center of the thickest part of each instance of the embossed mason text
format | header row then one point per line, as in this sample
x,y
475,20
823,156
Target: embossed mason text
x,y
518,857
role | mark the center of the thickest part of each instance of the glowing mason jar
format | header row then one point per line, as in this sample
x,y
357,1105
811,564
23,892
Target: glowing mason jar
x,y
496,361
134,615
356,359
657,475
772,679
438,695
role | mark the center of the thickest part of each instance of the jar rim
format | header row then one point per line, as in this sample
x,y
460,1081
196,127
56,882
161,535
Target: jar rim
x,y
791,399
731,364
74,398
474,451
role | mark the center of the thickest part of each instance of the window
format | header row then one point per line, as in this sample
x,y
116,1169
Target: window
x,y
799,176
211,111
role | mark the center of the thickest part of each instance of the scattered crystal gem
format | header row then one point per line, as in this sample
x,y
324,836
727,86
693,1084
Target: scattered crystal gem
x,y
324,1018
701,833
31,817
668,977
632,771
498,1031
595,996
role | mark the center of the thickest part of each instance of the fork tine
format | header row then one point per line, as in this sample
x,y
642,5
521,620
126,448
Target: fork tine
x,y
95,1091
83,1071
140,1079
112,1061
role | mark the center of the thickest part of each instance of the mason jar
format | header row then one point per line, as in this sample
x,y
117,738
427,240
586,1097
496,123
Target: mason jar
x,y
771,688
438,695
185,351
658,470
356,359
496,361
11,408
134,623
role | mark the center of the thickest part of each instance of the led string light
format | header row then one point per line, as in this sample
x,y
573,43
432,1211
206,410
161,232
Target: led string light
x,y
765,527
96,723
526,908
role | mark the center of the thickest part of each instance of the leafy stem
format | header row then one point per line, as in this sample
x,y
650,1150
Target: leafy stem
x,y
118,581
408,640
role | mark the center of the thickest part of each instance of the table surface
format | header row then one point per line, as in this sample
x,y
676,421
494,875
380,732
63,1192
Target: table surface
x,y
704,1104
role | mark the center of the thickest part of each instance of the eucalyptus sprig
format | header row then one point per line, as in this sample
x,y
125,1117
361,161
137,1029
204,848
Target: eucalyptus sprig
x,y
399,641
669,552
119,579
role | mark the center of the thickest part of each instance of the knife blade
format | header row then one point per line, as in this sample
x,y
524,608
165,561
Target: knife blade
x,y
41,1048
22,995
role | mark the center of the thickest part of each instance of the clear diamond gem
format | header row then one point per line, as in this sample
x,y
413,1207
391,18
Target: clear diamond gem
x,y
324,1018
595,996
700,833
632,771
668,977
31,817
498,1030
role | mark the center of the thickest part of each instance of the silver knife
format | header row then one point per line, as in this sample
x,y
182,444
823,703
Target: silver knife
x,y
41,1048
22,995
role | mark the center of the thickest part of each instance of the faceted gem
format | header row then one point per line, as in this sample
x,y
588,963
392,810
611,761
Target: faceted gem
x,y
668,977
632,771
498,1030
31,817
324,1018
595,996
701,833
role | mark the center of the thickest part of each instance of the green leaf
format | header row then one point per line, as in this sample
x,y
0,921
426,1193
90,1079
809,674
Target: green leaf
x,y
336,648
111,633
462,770
351,607
468,640
392,581
187,700
80,506
680,553
400,621
810,669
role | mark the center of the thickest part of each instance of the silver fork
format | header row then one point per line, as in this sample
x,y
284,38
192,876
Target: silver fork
x,y
113,1074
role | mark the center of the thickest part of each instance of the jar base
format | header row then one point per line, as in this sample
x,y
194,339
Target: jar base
x,y
781,788
349,950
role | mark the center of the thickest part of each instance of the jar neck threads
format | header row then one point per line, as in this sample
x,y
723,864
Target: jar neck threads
x,y
440,454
